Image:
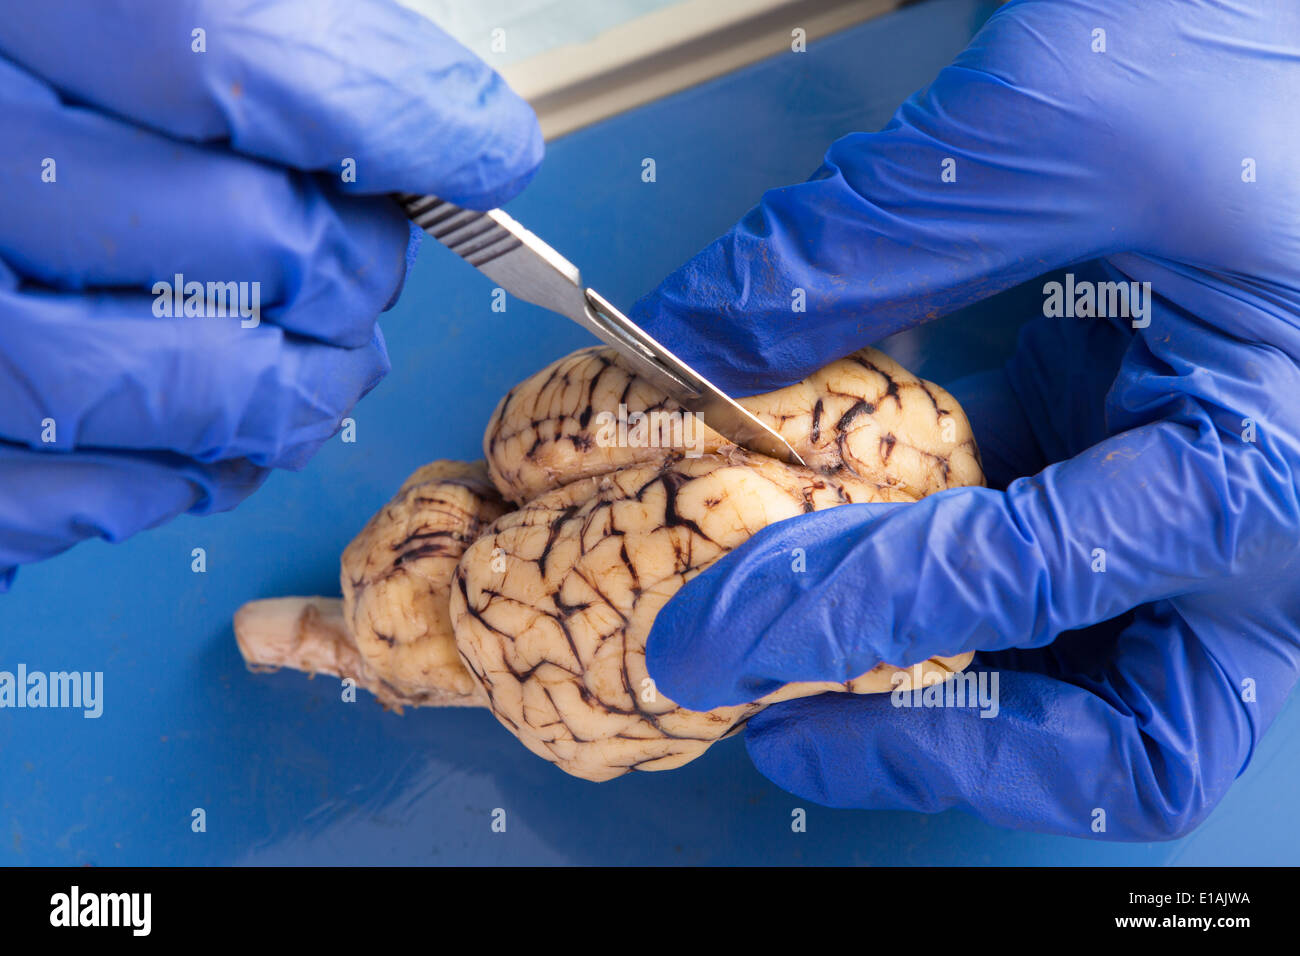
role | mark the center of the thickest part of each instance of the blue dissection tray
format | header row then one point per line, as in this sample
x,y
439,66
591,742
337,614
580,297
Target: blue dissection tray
x,y
287,773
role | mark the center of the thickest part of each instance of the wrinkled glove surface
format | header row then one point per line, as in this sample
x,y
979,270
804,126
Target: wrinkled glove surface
x,y
224,141
1133,568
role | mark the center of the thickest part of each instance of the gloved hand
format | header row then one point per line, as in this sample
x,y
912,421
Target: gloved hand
x,y
1144,508
225,141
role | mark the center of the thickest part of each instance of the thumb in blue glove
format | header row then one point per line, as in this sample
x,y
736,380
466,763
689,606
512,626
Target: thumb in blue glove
x,y
1132,567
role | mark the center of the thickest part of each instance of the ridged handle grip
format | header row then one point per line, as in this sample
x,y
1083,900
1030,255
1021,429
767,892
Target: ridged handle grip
x,y
477,237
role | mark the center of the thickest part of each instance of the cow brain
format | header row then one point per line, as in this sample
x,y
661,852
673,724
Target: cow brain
x,y
541,612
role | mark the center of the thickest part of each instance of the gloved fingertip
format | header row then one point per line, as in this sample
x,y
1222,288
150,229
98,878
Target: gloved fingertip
x,y
223,485
507,162
782,746
672,658
413,244
663,658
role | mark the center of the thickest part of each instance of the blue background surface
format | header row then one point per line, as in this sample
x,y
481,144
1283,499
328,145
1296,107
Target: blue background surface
x,y
289,774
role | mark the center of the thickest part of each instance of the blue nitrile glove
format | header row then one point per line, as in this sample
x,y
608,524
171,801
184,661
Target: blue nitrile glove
x,y
1169,451
215,140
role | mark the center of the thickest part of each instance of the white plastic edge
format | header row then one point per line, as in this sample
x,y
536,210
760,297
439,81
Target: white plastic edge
x,y
670,50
